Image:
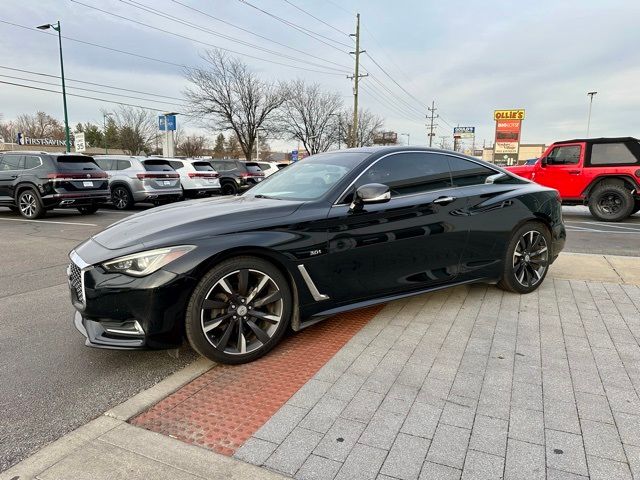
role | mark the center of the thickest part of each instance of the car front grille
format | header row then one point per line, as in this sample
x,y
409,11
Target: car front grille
x,y
75,281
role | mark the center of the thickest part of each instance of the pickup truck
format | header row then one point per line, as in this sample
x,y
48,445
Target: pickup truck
x,y
603,173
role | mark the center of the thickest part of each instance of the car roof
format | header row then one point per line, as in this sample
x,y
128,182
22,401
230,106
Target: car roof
x,y
599,140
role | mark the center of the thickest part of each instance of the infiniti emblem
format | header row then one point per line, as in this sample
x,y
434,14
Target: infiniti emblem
x,y
242,310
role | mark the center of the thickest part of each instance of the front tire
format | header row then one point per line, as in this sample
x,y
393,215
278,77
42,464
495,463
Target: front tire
x,y
611,202
239,310
30,205
526,260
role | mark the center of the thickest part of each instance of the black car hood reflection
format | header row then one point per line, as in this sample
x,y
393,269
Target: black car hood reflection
x,y
203,217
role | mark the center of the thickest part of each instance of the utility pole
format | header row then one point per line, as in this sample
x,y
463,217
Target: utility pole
x,y
356,78
432,116
591,94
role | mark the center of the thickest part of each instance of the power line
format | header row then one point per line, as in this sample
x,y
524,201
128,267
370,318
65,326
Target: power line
x,y
313,35
246,30
92,90
386,103
85,96
394,81
182,21
397,97
90,83
200,41
71,39
316,18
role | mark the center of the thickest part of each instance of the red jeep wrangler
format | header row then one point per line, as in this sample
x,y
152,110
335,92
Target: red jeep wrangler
x,y
603,173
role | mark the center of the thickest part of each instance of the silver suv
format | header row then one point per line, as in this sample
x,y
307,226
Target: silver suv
x,y
140,179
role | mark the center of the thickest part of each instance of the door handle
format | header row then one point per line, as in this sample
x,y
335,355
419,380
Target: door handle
x,y
574,172
444,200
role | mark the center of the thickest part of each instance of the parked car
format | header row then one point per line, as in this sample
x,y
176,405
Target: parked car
x,y
237,176
197,177
269,168
603,173
33,182
234,273
140,179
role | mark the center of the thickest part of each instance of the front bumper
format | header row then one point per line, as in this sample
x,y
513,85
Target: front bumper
x,y
123,312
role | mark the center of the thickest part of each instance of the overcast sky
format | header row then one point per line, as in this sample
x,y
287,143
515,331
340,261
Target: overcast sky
x,y
470,57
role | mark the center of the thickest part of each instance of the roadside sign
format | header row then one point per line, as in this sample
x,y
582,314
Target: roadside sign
x,y
507,139
79,142
170,122
294,155
464,132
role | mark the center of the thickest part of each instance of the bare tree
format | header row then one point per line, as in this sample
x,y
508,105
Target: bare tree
x,y
40,125
192,146
369,125
233,97
7,130
311,116
136,129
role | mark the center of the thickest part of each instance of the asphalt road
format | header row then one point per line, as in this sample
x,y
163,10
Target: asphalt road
x,y
50,383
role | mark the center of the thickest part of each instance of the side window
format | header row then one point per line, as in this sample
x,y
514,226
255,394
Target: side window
x,y
569,155
31,162
105,163
12,162
123,164
175,164
409,173
465,172
612,154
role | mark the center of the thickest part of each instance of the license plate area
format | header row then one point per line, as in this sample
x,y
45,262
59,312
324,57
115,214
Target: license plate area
x,y
87,184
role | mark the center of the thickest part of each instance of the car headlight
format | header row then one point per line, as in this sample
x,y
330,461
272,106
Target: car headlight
x,y
145,263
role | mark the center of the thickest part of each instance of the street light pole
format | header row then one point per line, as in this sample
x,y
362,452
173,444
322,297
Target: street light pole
x,y
591,94
58,29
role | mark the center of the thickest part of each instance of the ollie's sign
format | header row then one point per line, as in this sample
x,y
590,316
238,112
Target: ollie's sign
x,y
507,140
508,114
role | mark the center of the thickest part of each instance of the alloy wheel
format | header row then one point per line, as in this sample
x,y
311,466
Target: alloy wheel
x,y
241,312
119,197
610,203
28,204
530,258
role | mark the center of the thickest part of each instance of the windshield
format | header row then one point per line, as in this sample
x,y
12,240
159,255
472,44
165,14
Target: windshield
x,y
310,178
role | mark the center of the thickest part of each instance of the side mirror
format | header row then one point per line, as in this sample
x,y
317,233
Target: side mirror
x,y
369,194
543,162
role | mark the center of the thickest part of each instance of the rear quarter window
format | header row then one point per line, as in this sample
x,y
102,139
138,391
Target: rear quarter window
x,y
612,154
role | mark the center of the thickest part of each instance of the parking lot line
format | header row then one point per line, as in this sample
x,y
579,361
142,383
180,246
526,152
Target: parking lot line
x,y
573,228
635,228
49,221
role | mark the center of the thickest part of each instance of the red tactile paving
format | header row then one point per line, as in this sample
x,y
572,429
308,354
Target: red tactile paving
x,y
222,408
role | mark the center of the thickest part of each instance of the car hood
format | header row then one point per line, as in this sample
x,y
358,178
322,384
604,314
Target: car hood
x,y
191,220
524,171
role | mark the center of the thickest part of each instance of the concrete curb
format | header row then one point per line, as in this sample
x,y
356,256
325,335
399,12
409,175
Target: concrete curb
x,y
599,268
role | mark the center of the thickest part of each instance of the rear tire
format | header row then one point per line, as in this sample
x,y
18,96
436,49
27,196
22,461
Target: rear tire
x,y
121,197
636,208
88,209
526,260
29,204
611,202
239,311
230,188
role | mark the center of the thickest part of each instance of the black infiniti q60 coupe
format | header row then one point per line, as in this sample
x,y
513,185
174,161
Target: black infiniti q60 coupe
x,y
333,232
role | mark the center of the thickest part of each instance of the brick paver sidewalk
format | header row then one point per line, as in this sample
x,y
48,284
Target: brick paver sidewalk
x,y
474,383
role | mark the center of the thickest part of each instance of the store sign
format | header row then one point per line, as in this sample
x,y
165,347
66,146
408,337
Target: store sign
x,y
508,114
47,142
507,140
166,122
464,132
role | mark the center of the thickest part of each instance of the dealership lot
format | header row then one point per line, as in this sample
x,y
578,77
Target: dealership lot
x,y
66,384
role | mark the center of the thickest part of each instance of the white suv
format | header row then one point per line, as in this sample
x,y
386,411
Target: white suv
x,y
196,176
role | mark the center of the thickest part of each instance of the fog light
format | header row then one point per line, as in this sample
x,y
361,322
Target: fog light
x,y
131,328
